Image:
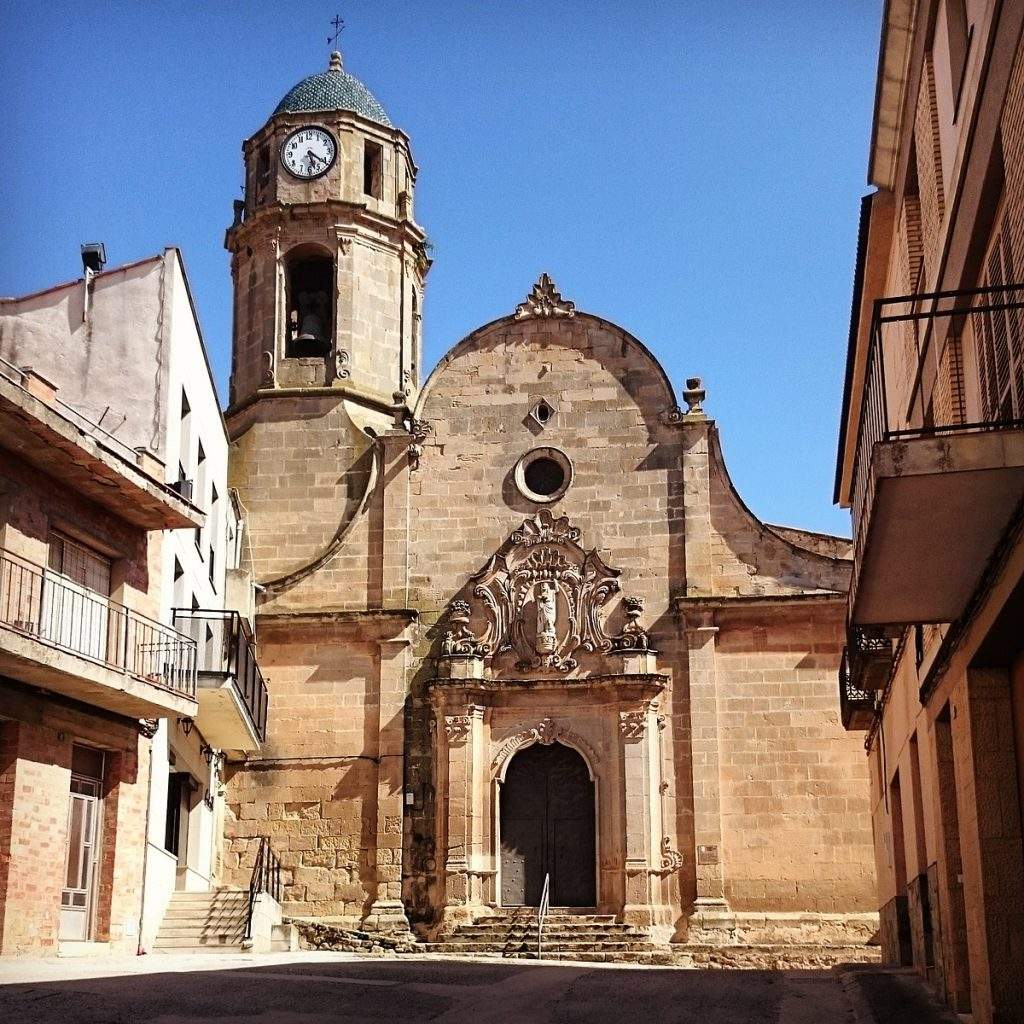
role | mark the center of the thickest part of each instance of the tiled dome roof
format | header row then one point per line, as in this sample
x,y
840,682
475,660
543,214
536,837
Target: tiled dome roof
x,y
334,89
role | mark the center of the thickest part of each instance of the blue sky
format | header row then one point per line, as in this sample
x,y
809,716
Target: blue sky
x,y
690,171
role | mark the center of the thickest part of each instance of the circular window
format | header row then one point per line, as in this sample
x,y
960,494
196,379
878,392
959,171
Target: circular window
x,y
543,475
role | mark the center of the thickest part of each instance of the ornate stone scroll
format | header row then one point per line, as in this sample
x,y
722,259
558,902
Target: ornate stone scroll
x,y
456,728
632,724
633,638
546,732
545,300
542,595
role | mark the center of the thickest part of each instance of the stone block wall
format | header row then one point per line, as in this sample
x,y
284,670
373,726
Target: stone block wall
x,y
795,802
313,789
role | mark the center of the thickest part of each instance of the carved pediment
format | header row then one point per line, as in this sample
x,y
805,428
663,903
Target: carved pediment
x,y
542,596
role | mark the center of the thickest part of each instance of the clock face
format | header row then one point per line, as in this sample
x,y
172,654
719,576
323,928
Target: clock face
x,y
309,152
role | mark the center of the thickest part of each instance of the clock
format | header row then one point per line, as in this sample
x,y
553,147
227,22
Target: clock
x,y
309,152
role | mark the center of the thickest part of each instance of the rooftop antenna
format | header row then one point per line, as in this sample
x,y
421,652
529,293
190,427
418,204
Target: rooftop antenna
x,y
338,24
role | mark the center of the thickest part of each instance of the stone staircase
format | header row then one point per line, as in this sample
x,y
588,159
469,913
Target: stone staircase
x,y
567,935
211,922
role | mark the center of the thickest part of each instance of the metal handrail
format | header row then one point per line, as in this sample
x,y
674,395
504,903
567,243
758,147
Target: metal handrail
x,y
542,910
46,606
229,649
266,877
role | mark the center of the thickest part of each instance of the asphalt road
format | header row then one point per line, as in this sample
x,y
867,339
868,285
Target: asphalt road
x,y
311,988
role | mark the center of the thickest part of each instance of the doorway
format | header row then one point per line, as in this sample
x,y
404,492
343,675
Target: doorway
x,y
548,828
78,896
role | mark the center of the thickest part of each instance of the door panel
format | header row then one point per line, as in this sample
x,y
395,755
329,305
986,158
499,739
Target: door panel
x,y
547,828
79,888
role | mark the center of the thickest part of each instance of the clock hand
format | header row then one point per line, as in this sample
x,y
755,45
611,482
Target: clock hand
x,y
313,157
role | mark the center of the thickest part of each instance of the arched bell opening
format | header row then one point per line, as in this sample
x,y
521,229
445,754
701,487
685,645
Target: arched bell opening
x,y
548,828
309,294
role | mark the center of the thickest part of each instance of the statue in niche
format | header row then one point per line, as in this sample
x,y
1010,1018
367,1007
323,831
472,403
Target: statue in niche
x,y
545,596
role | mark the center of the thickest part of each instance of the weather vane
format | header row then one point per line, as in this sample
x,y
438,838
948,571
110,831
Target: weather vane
x,y
338,23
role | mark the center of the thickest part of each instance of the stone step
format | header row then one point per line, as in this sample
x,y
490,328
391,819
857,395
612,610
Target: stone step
x,y
181,912
186,895
174,930
193,941
591,935
231,947
559,916
455,946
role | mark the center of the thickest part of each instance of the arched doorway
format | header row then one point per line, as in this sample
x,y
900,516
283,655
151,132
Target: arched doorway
x,y
547,828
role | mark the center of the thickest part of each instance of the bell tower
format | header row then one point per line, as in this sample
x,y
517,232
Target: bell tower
x,y
327,261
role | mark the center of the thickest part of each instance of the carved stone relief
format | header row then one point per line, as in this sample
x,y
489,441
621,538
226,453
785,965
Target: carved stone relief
x,y
543,597
547,731
545,301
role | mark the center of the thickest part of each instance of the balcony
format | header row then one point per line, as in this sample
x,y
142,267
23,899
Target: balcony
x,y
58,440
856,706
232,693
934,486
64,638
870,656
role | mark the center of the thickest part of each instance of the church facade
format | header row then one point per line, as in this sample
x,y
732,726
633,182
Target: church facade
x,y
521,634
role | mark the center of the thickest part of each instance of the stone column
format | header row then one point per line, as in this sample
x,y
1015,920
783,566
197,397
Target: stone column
x,y
991,843
641,766
712,920
465,749
387,910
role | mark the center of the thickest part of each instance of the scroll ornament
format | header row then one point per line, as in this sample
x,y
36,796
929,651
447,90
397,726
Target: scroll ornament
x,y
543,597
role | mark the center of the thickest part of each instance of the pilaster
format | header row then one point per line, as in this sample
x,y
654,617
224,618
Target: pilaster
x,y
712,919
387,911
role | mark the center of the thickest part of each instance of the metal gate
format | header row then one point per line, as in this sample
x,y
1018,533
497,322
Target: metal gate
x,y
547,827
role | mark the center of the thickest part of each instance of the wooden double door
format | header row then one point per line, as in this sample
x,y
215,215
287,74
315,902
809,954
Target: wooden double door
x,y
547,828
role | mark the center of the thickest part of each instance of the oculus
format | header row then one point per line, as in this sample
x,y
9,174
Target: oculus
x,y
543,475
309,152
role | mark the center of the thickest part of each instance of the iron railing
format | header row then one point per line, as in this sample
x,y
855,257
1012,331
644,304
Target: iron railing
x,y
50,607
226,648
856,706
914,382
542,910
266,877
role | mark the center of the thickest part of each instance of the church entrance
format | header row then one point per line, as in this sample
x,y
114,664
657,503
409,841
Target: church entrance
x,y
547,828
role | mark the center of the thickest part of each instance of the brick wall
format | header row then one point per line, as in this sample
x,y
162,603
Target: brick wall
x,y
34,797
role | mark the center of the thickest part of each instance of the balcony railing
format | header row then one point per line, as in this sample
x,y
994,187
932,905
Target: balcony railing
x,y
870,654
914,384
46,606
226,648
856,706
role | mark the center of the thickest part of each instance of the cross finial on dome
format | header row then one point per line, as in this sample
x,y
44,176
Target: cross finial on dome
x,y
335,64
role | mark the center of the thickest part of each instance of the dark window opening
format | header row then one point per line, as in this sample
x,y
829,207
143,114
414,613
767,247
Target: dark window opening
x,y
172,825
310,310
544,476
262,171
373,158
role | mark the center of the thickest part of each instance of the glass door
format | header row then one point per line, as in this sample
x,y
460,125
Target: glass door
x,y
77,899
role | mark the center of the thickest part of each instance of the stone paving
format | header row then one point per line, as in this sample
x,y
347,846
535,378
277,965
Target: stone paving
x,y
314,988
